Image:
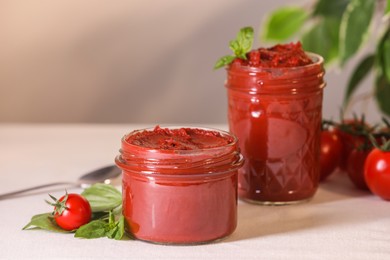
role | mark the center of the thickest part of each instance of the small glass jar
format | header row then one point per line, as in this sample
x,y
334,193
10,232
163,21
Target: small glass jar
x,y
180,196
276,114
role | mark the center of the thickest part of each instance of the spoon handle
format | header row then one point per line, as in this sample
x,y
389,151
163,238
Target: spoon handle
x,y
19,192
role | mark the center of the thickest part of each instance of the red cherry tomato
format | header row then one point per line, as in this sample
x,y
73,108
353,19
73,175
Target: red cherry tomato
x,y
377,173
76,212
355,167
330,152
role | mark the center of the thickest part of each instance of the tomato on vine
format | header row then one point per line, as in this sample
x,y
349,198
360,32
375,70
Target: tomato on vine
x,y
353,134
355,166
71,211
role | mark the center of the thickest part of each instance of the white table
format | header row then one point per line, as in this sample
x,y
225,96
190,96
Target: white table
x,y
339,223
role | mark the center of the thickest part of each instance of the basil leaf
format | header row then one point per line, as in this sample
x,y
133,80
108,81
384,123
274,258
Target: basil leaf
x,y
101,228
354,27
323,38
44,221
328,8
225,60
243,43
118,230
102,197
283,23
360,72
121,228
387,7
94,229
382,92
240,46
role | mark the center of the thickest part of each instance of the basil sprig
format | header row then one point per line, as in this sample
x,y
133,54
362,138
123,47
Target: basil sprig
x,y
240,46
107,220
110,228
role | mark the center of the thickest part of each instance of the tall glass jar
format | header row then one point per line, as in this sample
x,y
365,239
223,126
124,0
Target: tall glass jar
x,y
175,196
276,114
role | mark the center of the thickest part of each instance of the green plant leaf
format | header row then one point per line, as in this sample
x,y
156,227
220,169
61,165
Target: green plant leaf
x,y
382,92
383,52
102,197
386,56
103,228
243,42
225,60
354,27
94,229
240,46
44,221
387,7
360,72
323,39
117,230
328,8
283,23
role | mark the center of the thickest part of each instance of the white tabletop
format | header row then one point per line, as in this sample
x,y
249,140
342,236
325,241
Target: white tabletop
x,y
339,223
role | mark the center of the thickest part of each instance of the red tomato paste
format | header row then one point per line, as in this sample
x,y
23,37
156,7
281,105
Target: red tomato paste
x,y
179,184
178,139
274,108
278,56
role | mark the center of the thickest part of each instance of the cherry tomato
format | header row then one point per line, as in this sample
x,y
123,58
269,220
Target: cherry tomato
x,y
377,173
330,152
72,211
355,167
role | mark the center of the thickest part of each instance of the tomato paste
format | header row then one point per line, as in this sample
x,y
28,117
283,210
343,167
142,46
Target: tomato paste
x,y
178,139
274,109
179,184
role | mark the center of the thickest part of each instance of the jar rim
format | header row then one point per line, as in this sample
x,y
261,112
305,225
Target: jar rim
x,y
211,175
203,161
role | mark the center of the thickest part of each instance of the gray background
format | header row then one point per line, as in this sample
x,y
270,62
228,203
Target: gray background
x,y
129,61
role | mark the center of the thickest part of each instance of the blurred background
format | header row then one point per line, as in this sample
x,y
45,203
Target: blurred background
x,y
129,61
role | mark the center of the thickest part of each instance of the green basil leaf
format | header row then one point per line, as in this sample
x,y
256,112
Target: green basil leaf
x,y
354,27
360,72
225,60
382,92
44,221
121,228
323,38
283,23
387,7
243,42
118,230
240,46
94,229
102,197
328,8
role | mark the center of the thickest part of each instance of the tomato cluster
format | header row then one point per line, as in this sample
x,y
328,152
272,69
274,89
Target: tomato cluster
x,y
353,146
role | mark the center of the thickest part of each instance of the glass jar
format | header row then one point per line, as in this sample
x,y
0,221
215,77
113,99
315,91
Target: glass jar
x,y
276,114
180,196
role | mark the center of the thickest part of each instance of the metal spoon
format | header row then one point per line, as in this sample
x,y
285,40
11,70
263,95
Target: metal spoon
x,y
102,175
